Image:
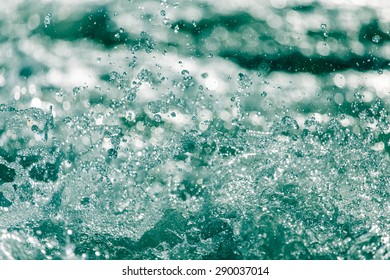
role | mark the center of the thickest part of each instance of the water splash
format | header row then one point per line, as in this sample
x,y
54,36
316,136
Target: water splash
x,y
136,144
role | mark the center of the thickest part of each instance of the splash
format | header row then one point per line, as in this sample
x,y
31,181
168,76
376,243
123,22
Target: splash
x,y
118,143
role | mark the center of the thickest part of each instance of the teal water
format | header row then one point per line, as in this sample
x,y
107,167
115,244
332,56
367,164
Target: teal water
x,y
194,129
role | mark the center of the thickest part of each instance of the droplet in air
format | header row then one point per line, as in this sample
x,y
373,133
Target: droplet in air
x,y
130,94
173,114
112,153
154,106
194,23
157,118
380,71
176,29
98,59
34,128
47,19
163,13
244,81
204,75
130,116
77,90
323,25
376,39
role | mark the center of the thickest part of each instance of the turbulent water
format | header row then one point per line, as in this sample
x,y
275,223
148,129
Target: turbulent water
x,y
194,129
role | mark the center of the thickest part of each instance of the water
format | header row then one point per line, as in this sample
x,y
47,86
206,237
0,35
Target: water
x,y
194,130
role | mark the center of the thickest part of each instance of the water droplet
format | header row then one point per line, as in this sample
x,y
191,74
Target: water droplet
x,y
210,55
130,94
323,25
289,123
380,71
48,19
244,81
157,118
112,153
376,39
173,114
194,23
154,106
163,13
130,116
34,128
77,90
204,75
99,59
263,94
232,99
176,29
167,22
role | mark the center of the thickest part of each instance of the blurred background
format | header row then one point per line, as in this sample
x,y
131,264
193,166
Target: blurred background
x,y
194,129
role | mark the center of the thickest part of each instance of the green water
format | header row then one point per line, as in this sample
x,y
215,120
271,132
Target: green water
x,y
194,130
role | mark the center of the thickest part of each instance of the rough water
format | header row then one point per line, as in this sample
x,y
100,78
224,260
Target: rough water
x,y
194,129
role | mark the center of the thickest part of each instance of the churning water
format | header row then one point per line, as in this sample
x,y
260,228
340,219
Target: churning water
x,y
194,129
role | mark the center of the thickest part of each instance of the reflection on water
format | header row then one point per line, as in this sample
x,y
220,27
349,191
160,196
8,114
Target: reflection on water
x,y
194,129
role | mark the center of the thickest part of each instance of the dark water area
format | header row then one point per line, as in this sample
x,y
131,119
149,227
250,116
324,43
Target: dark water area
x,y
194,129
